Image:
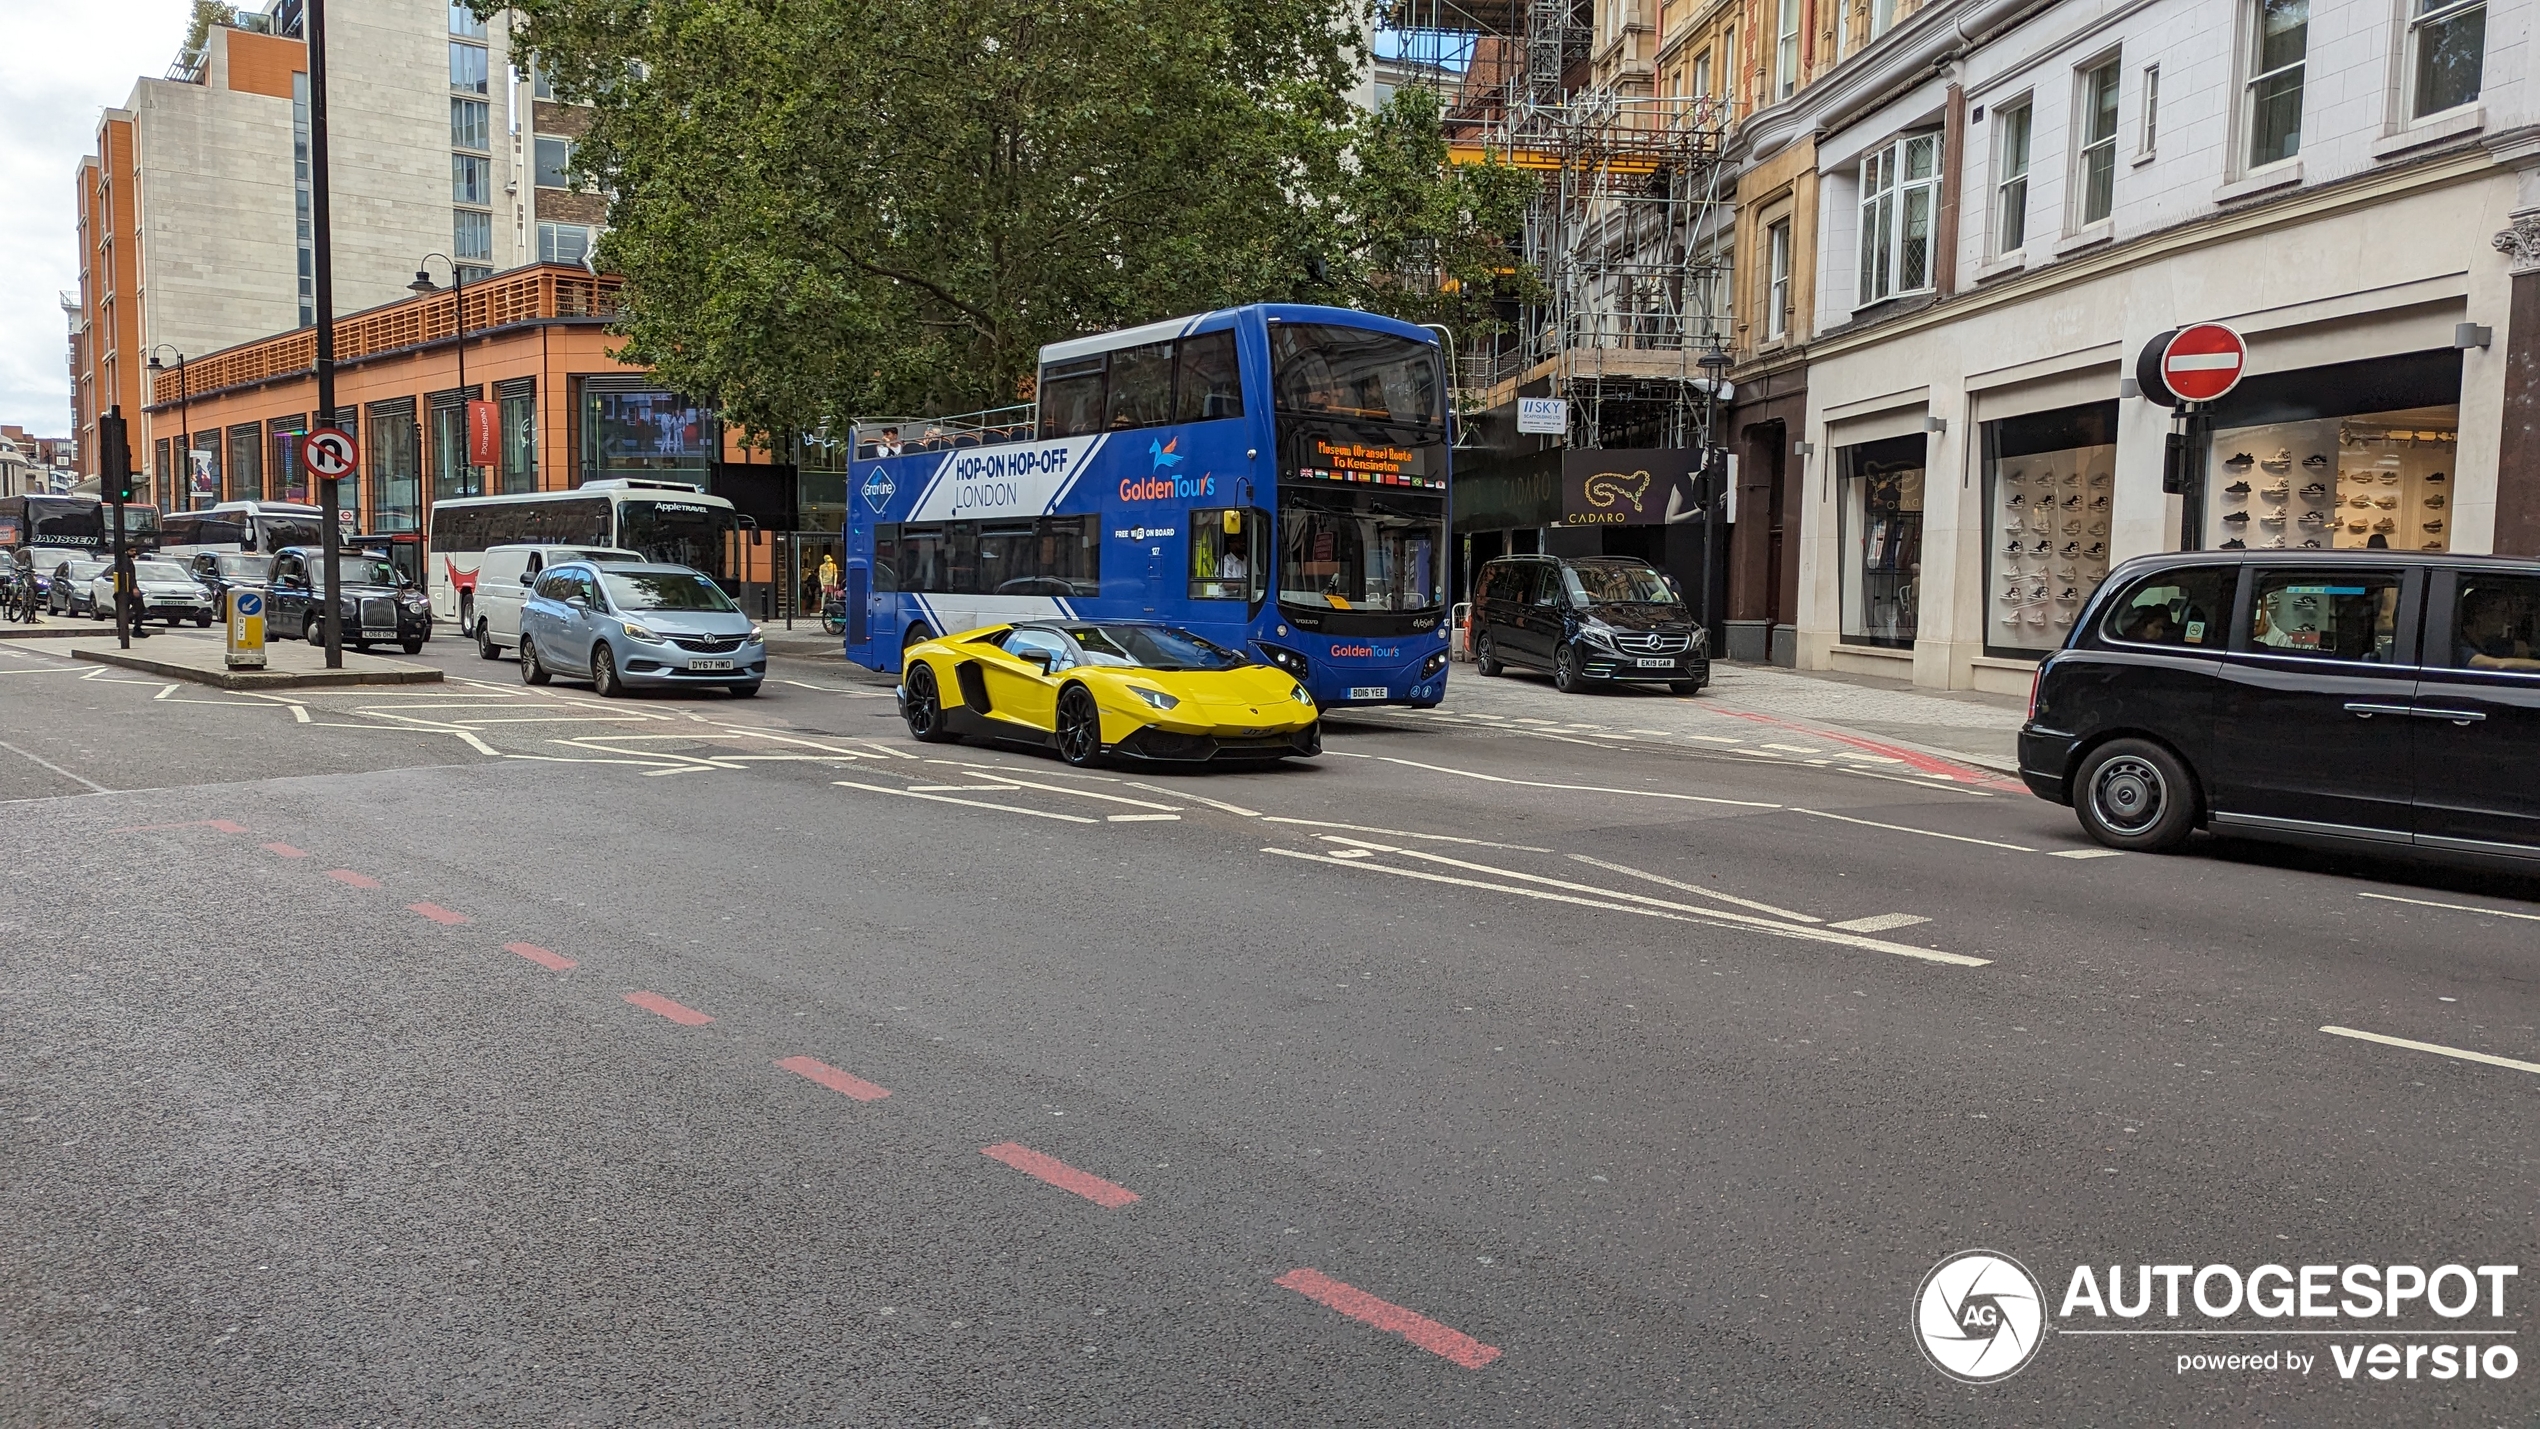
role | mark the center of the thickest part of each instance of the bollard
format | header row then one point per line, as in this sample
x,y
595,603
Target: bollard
x,y
246,650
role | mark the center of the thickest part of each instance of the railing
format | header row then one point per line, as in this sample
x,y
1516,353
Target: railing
x,y
545,291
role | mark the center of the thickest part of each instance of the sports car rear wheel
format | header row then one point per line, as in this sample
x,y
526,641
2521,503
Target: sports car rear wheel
x,y
1079,728
923,707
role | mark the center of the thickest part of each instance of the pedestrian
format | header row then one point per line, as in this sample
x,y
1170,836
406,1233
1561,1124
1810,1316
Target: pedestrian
x,y
828,575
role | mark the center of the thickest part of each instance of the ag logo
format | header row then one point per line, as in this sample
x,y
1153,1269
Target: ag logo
x,y
1979,1317
1607,487
878,489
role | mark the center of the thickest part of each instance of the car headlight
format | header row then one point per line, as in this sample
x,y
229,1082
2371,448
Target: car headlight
x,y
1156,698
1598,635
1301,697
757,633
638,632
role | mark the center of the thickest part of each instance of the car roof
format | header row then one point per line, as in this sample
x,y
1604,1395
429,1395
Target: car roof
x,y
639,568
2295,556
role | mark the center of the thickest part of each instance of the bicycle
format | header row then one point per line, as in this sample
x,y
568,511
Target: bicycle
x,y
833,616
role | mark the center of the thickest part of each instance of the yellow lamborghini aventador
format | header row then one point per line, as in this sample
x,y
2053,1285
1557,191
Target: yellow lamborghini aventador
x,y
1095,688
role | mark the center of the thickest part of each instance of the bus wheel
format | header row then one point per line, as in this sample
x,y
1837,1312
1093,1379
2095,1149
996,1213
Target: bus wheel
x,y
1079,728
918,634
923,707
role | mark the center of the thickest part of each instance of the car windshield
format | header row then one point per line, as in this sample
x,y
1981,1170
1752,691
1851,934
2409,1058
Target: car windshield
x,y
159,571
1618,585
246,568
1151,647
364,570
86,570
664,590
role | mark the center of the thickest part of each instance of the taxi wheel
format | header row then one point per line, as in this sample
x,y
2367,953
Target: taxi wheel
x,y
533,671
923,707
2135,795
604,680
1565,671
1486,656
1079,728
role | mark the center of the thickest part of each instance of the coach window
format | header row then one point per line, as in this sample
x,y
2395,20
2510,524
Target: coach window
x,y
1229,548
1141,392
1210,382
1071,398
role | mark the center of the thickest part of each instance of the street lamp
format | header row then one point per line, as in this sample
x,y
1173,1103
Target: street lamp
x,y
184,424
423,286
1714,362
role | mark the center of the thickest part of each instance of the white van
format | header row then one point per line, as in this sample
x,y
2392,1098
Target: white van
x,y
503,580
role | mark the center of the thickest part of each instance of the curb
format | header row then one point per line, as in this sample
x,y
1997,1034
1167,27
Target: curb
x,y
227,679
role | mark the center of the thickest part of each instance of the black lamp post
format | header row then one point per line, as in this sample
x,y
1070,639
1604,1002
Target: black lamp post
x,y
184,426
1714,362
423,286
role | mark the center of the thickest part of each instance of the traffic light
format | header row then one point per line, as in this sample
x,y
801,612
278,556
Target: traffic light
x,y
114,456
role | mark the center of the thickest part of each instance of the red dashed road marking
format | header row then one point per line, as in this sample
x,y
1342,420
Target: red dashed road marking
x,y
1058,1173
552,962
227,826
1419,1329
286,850
437,913
837,1081
346,875
655,1002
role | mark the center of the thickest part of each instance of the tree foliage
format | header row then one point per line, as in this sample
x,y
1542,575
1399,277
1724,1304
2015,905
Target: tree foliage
x,y
827,208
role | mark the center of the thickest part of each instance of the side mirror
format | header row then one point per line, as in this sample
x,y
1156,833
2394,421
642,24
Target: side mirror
x,y
1041,658
578,602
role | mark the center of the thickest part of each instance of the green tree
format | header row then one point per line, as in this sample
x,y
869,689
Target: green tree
x,y
832,208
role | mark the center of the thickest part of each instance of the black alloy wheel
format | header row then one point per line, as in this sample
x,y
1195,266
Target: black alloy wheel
x,y
486,649
1565,670
1684,687
1486,656
1079,728
533,671
923,706
604,680
2135,795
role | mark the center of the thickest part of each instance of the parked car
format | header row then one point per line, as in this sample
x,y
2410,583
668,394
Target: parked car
x,y
67,593
166,593
2364,699
221,572
1587,619
378,606
504,576
627,626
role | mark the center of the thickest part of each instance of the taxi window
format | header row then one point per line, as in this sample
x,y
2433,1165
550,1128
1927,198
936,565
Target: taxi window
x,y
2326,615
2186,609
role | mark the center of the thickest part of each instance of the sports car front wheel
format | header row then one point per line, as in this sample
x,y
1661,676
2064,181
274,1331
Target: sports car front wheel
x,y
923,706
1079,728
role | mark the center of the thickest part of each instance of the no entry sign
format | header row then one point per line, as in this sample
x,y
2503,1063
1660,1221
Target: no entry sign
x,y
2197,363
330,452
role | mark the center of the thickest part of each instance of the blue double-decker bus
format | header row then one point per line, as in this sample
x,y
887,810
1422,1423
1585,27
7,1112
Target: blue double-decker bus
x,y
1271,477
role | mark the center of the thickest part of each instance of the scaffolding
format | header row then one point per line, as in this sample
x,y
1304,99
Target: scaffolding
x,y
1627,230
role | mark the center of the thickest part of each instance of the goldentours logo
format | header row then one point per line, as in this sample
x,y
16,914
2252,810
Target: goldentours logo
x,y
1979,1316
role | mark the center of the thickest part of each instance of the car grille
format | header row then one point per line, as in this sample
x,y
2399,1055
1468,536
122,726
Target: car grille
x,y
379,613
1651,642
707,644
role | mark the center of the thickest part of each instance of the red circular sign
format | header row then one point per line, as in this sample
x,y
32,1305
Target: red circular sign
x,y
330,452
2204,361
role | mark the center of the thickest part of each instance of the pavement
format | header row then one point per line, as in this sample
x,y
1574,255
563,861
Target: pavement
x,y
494,1054
203,658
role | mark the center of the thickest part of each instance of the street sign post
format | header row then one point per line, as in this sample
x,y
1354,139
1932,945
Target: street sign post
x,y
246,650
330,453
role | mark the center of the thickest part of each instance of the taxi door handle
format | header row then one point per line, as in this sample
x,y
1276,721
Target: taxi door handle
x,y
2463,718
2365,709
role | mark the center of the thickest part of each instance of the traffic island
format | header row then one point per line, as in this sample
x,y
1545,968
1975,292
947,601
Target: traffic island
x,y
291,665
49,628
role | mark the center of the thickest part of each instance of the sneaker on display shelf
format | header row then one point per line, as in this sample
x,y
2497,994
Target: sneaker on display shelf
x,y
2364,502
2281,461
2279,490
2100,479
2273,518
2359,524
2385,524
2095,550
2313,518
2072,478
2314,492
2237,488
2236,518
2434,502
2073,527
2436,525
2386,503
2436,479
2073,502
2099,503
2235,544
2431,546
2275,545
2065,573
2068,595
2037,617
2312,544
2314,462
2238,461
2071,549
2390,478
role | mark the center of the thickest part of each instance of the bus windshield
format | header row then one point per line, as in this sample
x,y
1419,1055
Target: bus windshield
x,y
1362,550
1350,372
676,533
281,531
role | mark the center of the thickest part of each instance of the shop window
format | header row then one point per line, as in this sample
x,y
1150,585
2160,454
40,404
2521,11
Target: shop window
x,y
2095,160
1229,548
246,463
2447,47
203,471
1900,186
2049,483
452,473
2354,456
395,466
2011,127
2187,609
286,478
2279,45
2330,615
520,441
1882,541
2496,623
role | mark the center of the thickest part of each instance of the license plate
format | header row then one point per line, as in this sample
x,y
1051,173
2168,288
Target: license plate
x,y
1649,664
1368,692
697,664
373,632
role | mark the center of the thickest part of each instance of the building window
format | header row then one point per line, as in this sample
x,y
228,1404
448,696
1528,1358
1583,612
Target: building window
x,y
1729,76
471,124
1900,186
471,179
2095,161
472,236
1882,540
463,21
2280,39
2010,184
395,473
2447,43
646,432
302,197
564,243
1777,288
2050,481
1702,74
520,441
452,473
555,161
1786,51
542,85
468,68
1882,17
2151,108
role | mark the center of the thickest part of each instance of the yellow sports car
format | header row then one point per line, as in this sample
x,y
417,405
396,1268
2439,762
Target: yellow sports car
x,y
1094,688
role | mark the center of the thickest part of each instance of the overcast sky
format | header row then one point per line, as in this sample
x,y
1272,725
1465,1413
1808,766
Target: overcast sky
x,y
61,61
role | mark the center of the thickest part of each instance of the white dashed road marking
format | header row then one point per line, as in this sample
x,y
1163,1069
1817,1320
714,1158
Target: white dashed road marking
x,y
2435,1047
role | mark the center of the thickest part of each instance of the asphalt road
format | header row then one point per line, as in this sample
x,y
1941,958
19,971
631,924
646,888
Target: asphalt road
x,y
477,1054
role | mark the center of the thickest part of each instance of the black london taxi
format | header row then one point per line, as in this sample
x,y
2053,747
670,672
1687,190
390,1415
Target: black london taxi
x,y
2362,699
380,606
